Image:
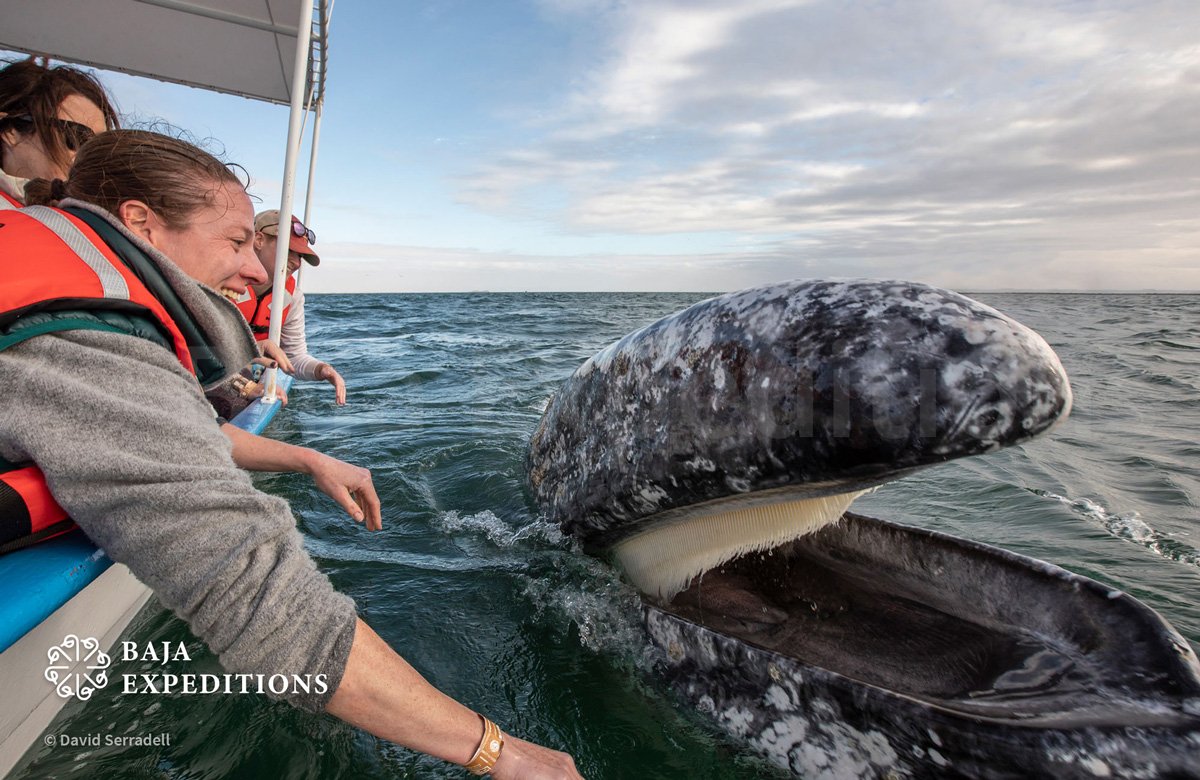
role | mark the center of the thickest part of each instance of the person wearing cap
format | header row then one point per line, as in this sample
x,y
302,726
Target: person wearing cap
x,y
256,304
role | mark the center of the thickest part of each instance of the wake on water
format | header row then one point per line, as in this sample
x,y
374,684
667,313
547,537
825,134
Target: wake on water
x,y
1130,527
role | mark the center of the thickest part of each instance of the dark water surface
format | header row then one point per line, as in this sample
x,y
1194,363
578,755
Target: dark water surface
x,y
497,609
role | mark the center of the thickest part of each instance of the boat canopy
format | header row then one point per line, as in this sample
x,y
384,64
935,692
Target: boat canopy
x,y
243,47
251,48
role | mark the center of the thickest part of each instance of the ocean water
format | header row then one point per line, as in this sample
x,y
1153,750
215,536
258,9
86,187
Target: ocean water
x,y
495,607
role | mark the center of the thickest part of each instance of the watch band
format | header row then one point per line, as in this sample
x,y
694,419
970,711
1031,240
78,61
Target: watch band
x,y
488,752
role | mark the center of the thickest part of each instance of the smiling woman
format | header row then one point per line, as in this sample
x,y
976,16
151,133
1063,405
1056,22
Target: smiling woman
x,y
46,114
147,180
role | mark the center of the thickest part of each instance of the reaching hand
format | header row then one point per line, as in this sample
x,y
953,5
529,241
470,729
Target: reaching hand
x,y
521,759
351,487
331,376
276,353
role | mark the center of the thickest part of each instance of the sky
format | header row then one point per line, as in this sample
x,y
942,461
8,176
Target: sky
x,y
600,145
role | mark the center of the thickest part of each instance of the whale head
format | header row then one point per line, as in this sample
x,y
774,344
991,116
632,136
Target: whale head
x,y
754,417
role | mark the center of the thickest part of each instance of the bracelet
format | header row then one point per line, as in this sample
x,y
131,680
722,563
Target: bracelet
x,y
488,752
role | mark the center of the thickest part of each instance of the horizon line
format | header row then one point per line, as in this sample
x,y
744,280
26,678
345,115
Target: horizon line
x,y
1001,291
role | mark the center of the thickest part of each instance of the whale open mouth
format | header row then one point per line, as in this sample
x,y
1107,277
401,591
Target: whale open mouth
x,y
713,456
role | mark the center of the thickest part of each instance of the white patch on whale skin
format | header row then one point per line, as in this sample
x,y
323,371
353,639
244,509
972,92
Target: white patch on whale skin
x,y
737,720
764,322
739,484
819,748
1096,767
651,497
974,331
781,698
778,739
674,338
958,375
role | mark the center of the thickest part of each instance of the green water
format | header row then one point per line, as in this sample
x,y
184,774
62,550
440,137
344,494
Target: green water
x,y
495,607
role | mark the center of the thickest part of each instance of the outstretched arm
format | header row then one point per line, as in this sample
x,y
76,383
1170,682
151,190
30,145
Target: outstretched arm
x,y
382,694
349,485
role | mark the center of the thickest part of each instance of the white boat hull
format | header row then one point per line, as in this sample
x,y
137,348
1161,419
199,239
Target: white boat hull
x,y
102,610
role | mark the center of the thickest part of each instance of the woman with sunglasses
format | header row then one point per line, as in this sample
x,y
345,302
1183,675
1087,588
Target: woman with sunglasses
x,y
46,114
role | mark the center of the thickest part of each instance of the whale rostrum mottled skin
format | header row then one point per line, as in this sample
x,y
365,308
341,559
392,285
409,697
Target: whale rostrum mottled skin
x,y
805,386
711,454
797,390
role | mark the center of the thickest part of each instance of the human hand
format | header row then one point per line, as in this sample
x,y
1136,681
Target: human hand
x,y
331,376
350,486
521,759
248,388
275,352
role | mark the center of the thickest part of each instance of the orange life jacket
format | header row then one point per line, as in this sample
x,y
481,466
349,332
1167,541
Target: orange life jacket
x,y
52,262
257,311
8,201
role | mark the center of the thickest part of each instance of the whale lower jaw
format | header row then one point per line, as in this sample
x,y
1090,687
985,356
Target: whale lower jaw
x,y
663,559
874,649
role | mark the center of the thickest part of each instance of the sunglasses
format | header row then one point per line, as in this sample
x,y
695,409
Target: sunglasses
x,y
298,230
73,134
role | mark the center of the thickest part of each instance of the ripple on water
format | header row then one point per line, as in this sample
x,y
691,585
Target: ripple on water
x,y
1130,527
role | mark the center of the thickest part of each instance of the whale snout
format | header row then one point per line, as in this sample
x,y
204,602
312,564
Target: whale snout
x,y
922,385
802,389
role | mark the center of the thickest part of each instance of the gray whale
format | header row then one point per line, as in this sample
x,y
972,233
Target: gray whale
x,y
860,648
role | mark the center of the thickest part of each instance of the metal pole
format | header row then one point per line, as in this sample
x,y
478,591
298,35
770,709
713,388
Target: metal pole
x,y
312,171
299,80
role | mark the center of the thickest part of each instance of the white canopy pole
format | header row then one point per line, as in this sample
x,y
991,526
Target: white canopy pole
x,y
299,82
312,171
312,161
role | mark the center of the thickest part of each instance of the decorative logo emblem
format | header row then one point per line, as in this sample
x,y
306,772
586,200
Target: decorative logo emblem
x,y
78,667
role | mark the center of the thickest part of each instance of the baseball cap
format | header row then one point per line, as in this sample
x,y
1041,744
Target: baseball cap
x,y
268,222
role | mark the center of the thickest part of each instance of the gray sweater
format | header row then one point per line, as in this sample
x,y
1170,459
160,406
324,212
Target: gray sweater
x,y
132,451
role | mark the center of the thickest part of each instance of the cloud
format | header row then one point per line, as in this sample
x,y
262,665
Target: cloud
x,y
354,267
918,137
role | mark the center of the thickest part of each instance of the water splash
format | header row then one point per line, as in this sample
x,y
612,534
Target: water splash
x,y
1130,527
499,533
606,611
568,586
